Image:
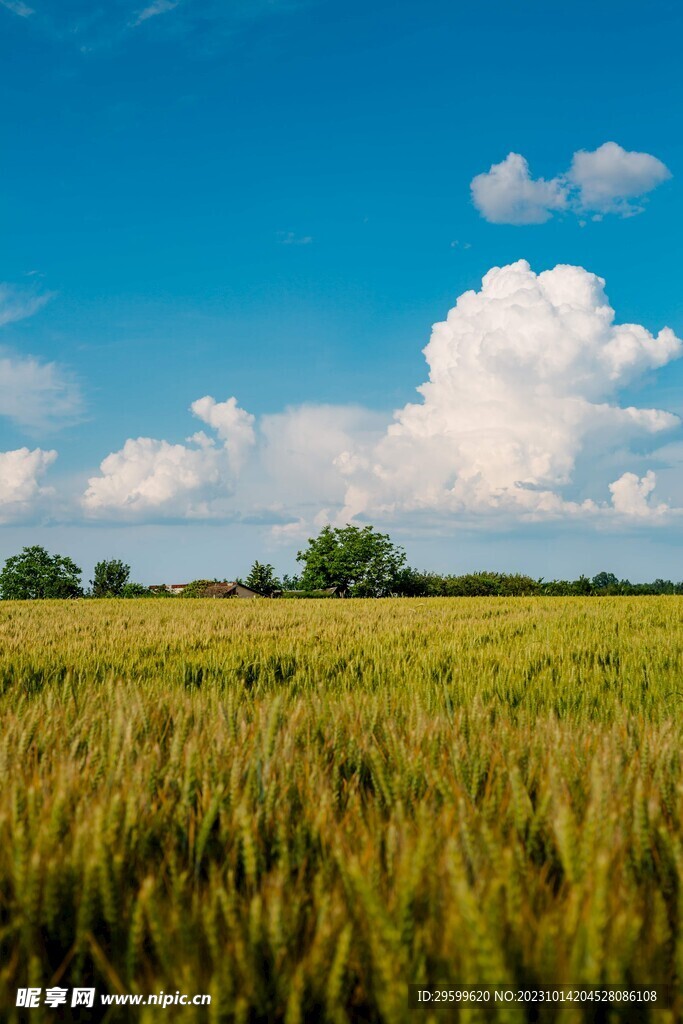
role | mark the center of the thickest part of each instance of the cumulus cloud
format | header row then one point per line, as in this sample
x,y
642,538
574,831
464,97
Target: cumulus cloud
x,y
150,474
522,377
234,426
21,493
282,474
608,179
630,495
518,420
174,480
507,194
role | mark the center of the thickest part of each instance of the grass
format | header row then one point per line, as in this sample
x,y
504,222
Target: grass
x,y
301,807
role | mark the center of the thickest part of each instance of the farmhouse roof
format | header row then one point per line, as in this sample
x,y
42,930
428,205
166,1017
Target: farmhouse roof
x,y
232,589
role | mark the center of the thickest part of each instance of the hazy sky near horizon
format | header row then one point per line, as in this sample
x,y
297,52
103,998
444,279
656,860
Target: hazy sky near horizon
x,y
229,228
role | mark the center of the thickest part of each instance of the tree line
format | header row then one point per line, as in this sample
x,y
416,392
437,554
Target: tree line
x,y
352,561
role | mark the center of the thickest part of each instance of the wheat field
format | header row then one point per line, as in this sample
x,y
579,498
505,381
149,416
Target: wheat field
x,y
301,807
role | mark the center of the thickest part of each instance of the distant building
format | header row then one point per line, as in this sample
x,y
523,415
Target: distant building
x,y
211,590
229,590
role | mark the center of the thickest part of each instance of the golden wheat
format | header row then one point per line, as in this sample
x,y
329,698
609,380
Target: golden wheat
x,y
302,807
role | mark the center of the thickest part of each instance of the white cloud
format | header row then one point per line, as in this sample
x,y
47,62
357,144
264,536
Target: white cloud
x,y
174,480
300,445
17,7
610,177
287,470
234,426
521,378
34,394
630,495
20,474
16,304
150,474
37,395
507,194
519,420
606,180
154,9
298,530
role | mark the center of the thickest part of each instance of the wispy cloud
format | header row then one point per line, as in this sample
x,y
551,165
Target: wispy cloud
x,y
17,7
17,305
291,238
35,395
203,27
158,7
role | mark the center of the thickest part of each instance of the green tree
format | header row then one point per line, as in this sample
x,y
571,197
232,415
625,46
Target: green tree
x,y
135,590
605,581
556,588
413,583
582,586
262,579
111,577
358,560
35,573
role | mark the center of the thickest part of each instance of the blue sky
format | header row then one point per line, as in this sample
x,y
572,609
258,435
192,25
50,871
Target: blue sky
x,y
273,201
